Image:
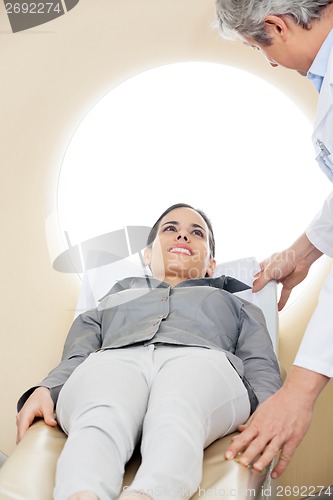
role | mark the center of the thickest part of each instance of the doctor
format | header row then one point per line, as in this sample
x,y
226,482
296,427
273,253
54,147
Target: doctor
x,y
296,34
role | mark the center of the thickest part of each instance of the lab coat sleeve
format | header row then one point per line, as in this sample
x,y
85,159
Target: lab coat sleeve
x,y
316,350
320,231
255,349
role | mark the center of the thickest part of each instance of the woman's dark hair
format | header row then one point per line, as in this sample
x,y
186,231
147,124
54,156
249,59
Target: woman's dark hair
x,y
154,229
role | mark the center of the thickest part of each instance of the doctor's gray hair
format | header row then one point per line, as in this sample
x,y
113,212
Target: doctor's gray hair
x,y
239,18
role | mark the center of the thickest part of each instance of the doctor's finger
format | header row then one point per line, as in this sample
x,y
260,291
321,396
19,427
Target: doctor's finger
x,y
284,460
261,279
241,442
284,297
269,453
259,448
272,271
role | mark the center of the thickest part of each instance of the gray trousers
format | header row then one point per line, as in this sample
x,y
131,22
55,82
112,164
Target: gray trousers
x,y
178,400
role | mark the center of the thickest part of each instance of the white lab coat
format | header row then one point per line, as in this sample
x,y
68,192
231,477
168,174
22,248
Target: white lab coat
x,y
316,349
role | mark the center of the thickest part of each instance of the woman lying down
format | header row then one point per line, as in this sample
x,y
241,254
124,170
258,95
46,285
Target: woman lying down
x,y
175,360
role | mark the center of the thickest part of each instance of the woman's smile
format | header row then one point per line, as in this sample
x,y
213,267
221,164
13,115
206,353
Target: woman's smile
x,y
182,249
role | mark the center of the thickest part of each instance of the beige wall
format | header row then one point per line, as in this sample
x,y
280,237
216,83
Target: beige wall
x,y
50,77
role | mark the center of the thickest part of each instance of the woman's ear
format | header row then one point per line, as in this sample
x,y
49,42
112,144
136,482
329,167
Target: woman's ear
x,y
211,267
147,256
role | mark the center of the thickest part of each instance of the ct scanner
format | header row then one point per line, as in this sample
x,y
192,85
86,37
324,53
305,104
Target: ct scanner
x,y
52,75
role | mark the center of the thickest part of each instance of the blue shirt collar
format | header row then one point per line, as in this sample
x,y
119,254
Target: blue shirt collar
x,y
319,66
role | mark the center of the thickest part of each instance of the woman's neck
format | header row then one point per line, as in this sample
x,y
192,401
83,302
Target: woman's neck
x,y
173,279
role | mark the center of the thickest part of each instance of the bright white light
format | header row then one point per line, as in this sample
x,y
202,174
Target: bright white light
x,y
213,136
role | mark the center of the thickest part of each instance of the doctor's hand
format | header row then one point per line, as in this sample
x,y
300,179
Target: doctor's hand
x,y
280,423
39,404
288,267
282,268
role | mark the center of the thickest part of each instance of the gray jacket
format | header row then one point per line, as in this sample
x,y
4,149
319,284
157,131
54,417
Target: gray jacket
x,y
200,312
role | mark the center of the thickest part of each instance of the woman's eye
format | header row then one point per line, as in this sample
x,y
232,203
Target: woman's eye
x,y
197,232
170,228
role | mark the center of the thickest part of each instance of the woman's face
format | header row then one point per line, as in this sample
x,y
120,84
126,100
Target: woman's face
x,y
180,250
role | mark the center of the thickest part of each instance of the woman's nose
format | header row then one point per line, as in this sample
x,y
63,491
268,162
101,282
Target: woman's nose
x,y
180,236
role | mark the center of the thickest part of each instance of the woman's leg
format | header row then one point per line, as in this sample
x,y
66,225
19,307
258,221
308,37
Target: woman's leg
x,y
134,495
83,495
101,408
196,397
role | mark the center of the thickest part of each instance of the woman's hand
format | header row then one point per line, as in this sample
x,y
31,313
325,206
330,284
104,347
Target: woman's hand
x,y
289,268
39,404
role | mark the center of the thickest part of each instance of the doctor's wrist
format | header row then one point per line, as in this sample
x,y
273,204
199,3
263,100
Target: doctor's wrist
x,y
305,385
304,252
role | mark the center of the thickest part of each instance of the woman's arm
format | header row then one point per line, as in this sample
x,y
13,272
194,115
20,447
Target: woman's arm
x,y
38,405
254,347
83,338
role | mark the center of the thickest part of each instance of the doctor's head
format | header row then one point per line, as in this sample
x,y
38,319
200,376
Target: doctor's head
x,y
288,33
181,245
